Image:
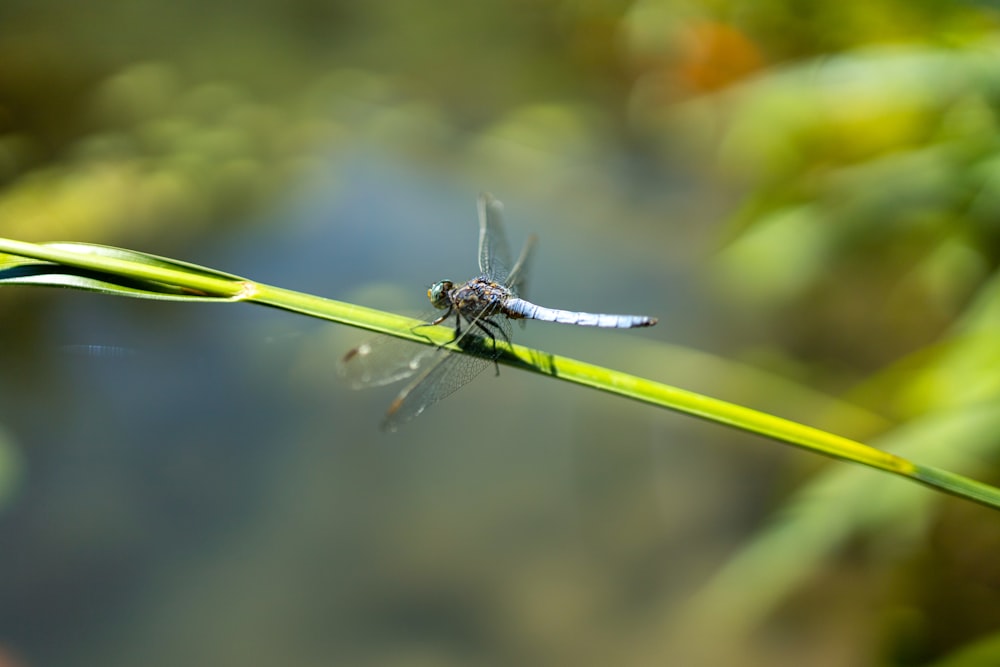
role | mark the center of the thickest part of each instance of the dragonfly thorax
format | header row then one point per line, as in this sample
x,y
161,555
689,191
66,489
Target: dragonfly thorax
x,y
438,294
480,297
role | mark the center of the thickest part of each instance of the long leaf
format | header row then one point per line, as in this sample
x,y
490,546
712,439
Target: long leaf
x,y
130,273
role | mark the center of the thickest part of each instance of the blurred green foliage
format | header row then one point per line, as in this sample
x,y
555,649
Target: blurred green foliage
x,y
843,158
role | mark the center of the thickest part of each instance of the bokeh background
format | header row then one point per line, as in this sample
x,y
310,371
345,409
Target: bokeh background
x,y
807,196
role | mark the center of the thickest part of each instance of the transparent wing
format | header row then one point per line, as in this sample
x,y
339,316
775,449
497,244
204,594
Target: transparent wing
x,y
383,360
494,251
519,275
448,372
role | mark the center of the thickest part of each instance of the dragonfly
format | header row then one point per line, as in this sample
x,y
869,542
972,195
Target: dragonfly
x,y
483,308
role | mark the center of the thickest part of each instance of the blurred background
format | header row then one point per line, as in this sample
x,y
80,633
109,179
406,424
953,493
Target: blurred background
x,y
808,197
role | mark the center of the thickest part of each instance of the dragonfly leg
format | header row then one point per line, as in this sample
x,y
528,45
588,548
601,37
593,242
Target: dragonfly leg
x,y
458,324
499,329
416,330
446,315
485,325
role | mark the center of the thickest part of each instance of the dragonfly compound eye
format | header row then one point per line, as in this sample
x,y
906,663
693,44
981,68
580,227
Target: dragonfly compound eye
x,y
438,293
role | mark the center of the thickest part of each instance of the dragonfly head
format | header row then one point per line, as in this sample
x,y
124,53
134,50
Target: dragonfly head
x,y
438,293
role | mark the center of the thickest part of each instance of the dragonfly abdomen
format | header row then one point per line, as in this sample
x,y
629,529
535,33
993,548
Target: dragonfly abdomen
x,y
519,308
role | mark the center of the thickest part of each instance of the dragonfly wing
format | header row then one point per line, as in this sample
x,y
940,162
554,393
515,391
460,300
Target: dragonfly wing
x,y
449,371
494,251
447,374
519,275
383,360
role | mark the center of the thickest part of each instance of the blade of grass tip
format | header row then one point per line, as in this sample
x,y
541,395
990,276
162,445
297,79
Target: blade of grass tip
x,y
133,265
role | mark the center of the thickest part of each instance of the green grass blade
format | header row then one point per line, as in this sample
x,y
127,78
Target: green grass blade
x,y
98,268
157,277
833,507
